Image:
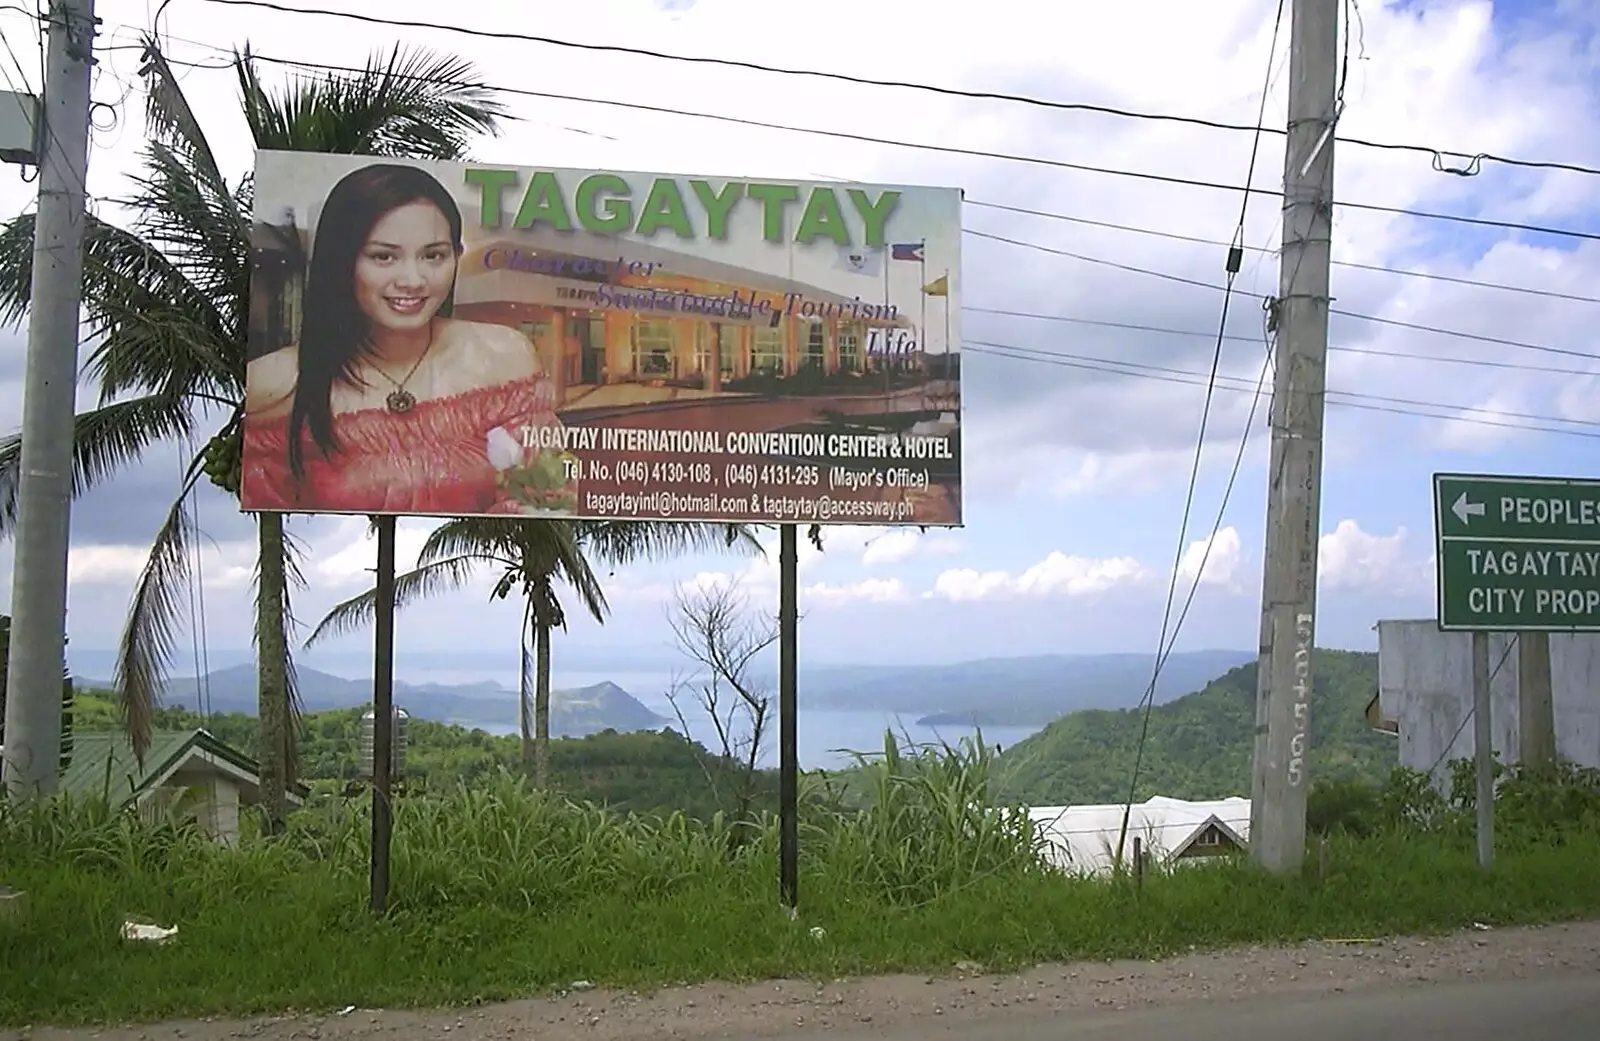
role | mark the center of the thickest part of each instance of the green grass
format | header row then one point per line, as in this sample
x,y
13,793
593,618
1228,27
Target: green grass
x,y
500,893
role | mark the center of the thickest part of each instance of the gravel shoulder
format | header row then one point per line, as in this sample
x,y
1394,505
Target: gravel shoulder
x,y
965,994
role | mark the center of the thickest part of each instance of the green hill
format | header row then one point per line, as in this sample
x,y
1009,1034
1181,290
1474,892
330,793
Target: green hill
x,y
1199,746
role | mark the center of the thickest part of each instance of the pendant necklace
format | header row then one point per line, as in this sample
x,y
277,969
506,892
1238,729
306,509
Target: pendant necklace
x,y
401,400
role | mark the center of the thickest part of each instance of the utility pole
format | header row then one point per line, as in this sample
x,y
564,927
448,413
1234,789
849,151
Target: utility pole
x,y
44,492
1294,491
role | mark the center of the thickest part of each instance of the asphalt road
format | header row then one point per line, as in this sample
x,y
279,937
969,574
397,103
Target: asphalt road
x,y
1550,1008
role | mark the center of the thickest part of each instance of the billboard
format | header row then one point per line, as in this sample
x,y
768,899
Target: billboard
x,y
470,339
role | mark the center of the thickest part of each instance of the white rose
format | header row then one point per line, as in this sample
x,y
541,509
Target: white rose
x,y
503,449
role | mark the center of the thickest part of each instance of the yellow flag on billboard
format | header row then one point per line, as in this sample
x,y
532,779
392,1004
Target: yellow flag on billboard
x,y
938,287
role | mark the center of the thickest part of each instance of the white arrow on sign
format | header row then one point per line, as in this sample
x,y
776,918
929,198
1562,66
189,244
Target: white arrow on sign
x,y
1464,509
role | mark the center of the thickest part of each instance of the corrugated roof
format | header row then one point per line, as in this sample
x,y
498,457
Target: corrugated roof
x,y
1084,838
103,761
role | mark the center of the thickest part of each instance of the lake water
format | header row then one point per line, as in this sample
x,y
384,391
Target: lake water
x,y
825,736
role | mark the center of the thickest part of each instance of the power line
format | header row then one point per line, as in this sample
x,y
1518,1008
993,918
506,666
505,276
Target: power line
x,y
1382,269
1476,159
1234,262
1377,319
1369,351
1059,164
1197,379
1367,403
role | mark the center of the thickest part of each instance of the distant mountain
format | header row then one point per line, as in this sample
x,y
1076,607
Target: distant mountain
x,y
1029,691
573,713
1198,746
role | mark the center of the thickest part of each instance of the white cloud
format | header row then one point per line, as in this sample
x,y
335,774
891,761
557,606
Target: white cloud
x,y
1214,559
1350,558
896,545
870,590
1056,575
356,559
220,565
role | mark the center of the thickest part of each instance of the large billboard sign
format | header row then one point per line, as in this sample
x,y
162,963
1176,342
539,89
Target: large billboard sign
x,y
466,339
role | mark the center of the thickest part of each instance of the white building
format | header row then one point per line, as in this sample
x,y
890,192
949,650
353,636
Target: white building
x,y
1083,839
1425,694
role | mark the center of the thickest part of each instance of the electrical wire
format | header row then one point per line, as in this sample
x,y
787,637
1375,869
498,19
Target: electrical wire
x,y
1346,399
1234,262
1489,363
1437,154
1376,319
1060,164
1353,265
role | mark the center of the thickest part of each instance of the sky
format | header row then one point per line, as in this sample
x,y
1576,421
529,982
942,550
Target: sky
x,y
1075,479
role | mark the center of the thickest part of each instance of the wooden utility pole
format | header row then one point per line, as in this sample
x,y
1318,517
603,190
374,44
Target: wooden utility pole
x,y
1294,493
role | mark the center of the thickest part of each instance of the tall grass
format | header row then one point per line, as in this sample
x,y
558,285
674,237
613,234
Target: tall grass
x,y
500,891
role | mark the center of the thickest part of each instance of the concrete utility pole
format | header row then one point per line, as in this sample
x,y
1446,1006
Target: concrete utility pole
x,y
44,494
1294,493
1536,709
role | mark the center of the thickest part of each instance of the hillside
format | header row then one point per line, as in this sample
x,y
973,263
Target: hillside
x,y
643,772
1025,691
573,713
1200,745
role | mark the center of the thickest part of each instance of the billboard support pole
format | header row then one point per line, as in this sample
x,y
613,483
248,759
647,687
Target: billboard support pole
x,y
383,715
1483,747
50,384
788,717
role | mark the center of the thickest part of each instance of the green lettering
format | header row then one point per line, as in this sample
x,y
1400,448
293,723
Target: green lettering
x,y
543,202
491,185
718,205
618,212
664,208
822,219
773,198
875,215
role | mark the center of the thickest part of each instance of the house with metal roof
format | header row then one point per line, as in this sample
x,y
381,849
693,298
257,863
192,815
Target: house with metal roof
x,y
1083,839
190,773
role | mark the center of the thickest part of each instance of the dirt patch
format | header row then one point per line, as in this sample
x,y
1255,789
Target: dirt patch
x,y
791,1007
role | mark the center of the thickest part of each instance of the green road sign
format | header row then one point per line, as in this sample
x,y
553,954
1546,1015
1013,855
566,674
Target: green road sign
x,y
1517,553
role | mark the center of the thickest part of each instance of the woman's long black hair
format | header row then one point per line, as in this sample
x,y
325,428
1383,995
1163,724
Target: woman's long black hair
x,y
334,330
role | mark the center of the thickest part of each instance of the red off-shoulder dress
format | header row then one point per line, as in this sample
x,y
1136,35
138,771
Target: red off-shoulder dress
x,y
433,459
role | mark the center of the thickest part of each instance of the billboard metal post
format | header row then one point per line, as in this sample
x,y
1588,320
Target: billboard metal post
x,y
1483,750
383,716
788,717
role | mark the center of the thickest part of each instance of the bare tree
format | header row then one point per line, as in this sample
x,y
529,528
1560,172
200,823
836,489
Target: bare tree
x,y
722,637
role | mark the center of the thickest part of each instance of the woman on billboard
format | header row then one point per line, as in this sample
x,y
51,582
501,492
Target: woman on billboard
x,y
387,404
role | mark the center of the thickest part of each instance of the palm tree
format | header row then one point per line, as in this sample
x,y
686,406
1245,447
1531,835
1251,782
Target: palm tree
x,y
535,556
168,299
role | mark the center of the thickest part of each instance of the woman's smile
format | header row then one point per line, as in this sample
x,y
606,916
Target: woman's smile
x,y
406,268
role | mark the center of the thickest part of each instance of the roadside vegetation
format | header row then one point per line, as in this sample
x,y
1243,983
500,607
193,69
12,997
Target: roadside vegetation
x,y
501,890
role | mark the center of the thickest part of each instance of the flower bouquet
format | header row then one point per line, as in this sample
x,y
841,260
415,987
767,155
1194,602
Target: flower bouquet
x,y
536,478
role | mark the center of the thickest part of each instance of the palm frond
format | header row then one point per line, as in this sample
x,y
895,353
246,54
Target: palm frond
x,y
419,583
148,636
626,542
197,224
489,538
157,329
104,440
413,102
167,113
